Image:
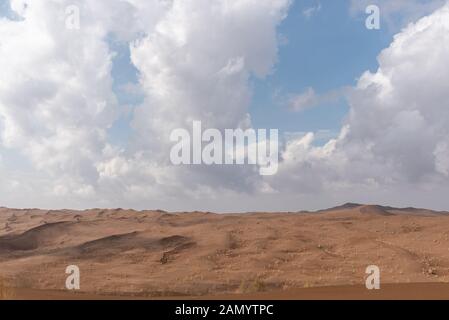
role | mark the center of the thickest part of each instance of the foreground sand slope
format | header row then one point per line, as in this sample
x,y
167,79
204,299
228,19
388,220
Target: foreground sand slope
x,y
401,291
157,254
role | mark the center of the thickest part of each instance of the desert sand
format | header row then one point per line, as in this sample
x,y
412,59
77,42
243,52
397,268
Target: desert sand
x,y
201,255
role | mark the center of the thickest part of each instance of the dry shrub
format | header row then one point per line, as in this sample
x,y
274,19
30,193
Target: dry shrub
x,y
231,241
6,292
254,286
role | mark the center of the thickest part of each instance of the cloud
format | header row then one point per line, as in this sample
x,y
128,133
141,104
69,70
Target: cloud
x,y
400,112
56,100
395,137
56,97
202,58
311,11
195,60
304,100
310,99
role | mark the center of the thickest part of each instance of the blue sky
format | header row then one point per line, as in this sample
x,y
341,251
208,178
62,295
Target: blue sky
x,y
326,51
5,10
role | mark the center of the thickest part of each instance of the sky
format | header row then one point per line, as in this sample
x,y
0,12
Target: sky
x,y
86,113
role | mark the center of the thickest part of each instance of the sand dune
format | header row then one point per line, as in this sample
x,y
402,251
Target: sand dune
x,y
154,254
34,238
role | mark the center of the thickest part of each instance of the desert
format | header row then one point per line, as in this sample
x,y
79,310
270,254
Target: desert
x,y
127,254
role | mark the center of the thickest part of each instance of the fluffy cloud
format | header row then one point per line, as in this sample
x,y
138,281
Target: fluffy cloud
x,y
56,100
400,113
396,134
196,65
56,97
195,60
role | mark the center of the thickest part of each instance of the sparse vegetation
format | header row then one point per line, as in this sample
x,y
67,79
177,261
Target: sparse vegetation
x,y
6,292
256,285
231,241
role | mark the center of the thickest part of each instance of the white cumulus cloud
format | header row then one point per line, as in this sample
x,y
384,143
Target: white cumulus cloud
x,y
395,137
